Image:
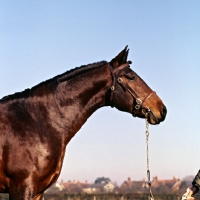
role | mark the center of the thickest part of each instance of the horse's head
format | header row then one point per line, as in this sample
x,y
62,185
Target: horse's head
x,y
131,94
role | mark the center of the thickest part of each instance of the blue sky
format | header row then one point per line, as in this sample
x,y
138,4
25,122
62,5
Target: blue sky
x,y
41,39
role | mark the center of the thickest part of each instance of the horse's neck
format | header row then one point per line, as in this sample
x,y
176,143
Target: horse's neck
x,y
78,98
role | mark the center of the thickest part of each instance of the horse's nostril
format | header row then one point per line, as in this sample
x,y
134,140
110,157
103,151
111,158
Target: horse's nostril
x,y
164,111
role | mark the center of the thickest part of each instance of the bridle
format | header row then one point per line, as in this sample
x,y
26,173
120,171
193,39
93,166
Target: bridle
x,y
139,102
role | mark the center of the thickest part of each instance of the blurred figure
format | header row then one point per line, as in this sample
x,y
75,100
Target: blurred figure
x,y
193,189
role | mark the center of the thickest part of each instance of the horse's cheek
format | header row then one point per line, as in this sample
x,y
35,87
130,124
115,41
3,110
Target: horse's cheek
x,y
123,102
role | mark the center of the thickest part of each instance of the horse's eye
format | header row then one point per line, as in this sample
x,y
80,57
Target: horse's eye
x,y
131,78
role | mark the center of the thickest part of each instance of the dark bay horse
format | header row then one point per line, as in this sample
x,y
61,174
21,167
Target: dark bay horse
x,y
37,124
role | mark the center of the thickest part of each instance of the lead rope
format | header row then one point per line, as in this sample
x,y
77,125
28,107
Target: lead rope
x,y
147,152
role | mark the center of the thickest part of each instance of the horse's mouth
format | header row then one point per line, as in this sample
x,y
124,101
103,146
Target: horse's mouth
x,y
154,116
152,119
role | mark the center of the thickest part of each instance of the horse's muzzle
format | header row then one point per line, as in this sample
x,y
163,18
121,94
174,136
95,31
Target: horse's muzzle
x,y
154,119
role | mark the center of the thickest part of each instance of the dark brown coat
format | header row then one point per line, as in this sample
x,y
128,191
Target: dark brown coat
x,y
37,124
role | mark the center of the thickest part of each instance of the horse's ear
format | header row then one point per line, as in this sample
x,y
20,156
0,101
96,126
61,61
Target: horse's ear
x,y
121,58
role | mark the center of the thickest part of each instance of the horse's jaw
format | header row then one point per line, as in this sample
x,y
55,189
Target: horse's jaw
x,y
154,117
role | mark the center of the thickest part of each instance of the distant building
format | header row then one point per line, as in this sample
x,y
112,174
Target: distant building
x,y
75,186
165,186
158,186
104,185
130,186
100,188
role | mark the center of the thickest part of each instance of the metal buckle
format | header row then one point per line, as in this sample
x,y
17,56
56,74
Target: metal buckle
x,y
119,80
137,107
146,111
138,101
113,87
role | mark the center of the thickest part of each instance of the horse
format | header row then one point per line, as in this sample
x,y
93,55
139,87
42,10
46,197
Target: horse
x,y
37,124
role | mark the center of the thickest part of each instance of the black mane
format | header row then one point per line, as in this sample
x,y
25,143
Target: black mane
x,y
79,70
55,80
